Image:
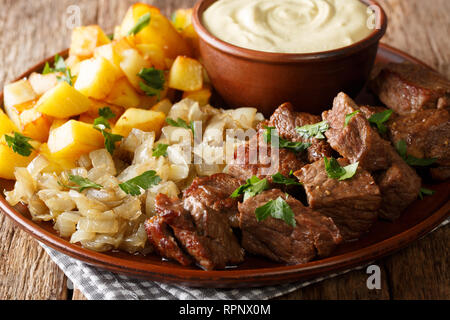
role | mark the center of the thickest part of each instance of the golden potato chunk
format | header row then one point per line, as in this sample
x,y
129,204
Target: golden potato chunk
x,y
123,94
202,96
6,125
132,63
186,74
17,93
41,83
56,164
96,78
9,160
159,31
86,39
63,101
145,120
182,18
73,139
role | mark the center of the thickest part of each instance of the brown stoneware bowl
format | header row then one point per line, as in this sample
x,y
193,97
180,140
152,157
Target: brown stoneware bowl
x,y
250,78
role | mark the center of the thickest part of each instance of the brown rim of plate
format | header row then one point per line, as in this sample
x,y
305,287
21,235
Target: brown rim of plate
x,y
231,278
250,54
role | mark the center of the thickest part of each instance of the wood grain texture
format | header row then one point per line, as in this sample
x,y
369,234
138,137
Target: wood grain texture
x,y
26,272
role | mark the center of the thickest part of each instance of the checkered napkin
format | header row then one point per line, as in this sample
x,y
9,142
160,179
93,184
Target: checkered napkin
x,y
97,284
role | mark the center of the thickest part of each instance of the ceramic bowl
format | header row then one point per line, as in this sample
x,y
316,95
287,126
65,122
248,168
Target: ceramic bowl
x,y
310,81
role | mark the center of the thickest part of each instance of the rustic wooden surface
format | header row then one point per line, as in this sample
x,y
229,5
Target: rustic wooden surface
x,y
33,30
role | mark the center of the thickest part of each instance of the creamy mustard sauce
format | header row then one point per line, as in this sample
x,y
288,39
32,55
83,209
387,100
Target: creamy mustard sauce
x,y
288,26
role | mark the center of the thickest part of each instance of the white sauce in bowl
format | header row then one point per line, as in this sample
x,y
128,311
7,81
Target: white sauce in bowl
x,y
288,26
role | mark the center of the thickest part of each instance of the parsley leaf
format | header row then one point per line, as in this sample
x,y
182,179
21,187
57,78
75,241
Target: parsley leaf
x,y
335,171
106,113
380,118
412,161
153,82
349,116
59,66
111,140
251,188
144,181
82,183
426,192
278,209
160,150
283,143
313,130
181,124
142,22
19,144
280,179
67,77
101,124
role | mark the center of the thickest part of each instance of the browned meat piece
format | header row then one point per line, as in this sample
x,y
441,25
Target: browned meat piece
x,y
358,140
353,204
399,186
407,88
215,192
255,158
285,119
426,133
162,238
208,201
275,239
171,211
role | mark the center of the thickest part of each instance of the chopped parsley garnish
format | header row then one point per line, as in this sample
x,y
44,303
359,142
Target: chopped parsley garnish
x,y
142,182
412,161
349,116
160,150
425,192
153,82
111,140
101,124
105,114
283,143
142,22
251,188
313,130
335,171
380,118
278,209
181,124
19,144
280,179
82,183
59,66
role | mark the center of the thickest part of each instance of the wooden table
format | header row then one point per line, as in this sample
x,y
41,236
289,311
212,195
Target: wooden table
x,y
33,30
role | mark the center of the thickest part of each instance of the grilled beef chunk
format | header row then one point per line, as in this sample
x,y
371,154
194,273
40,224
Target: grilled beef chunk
x,y
353,204
285,120
427,135
211,250
256,158
314,234
161,236
358,140
407,88
214,192
208,200
399,186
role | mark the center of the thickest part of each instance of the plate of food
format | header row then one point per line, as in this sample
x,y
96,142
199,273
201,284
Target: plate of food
x,y
214,154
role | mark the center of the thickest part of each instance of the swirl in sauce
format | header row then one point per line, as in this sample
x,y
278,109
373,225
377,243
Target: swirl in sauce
x,y
288,26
